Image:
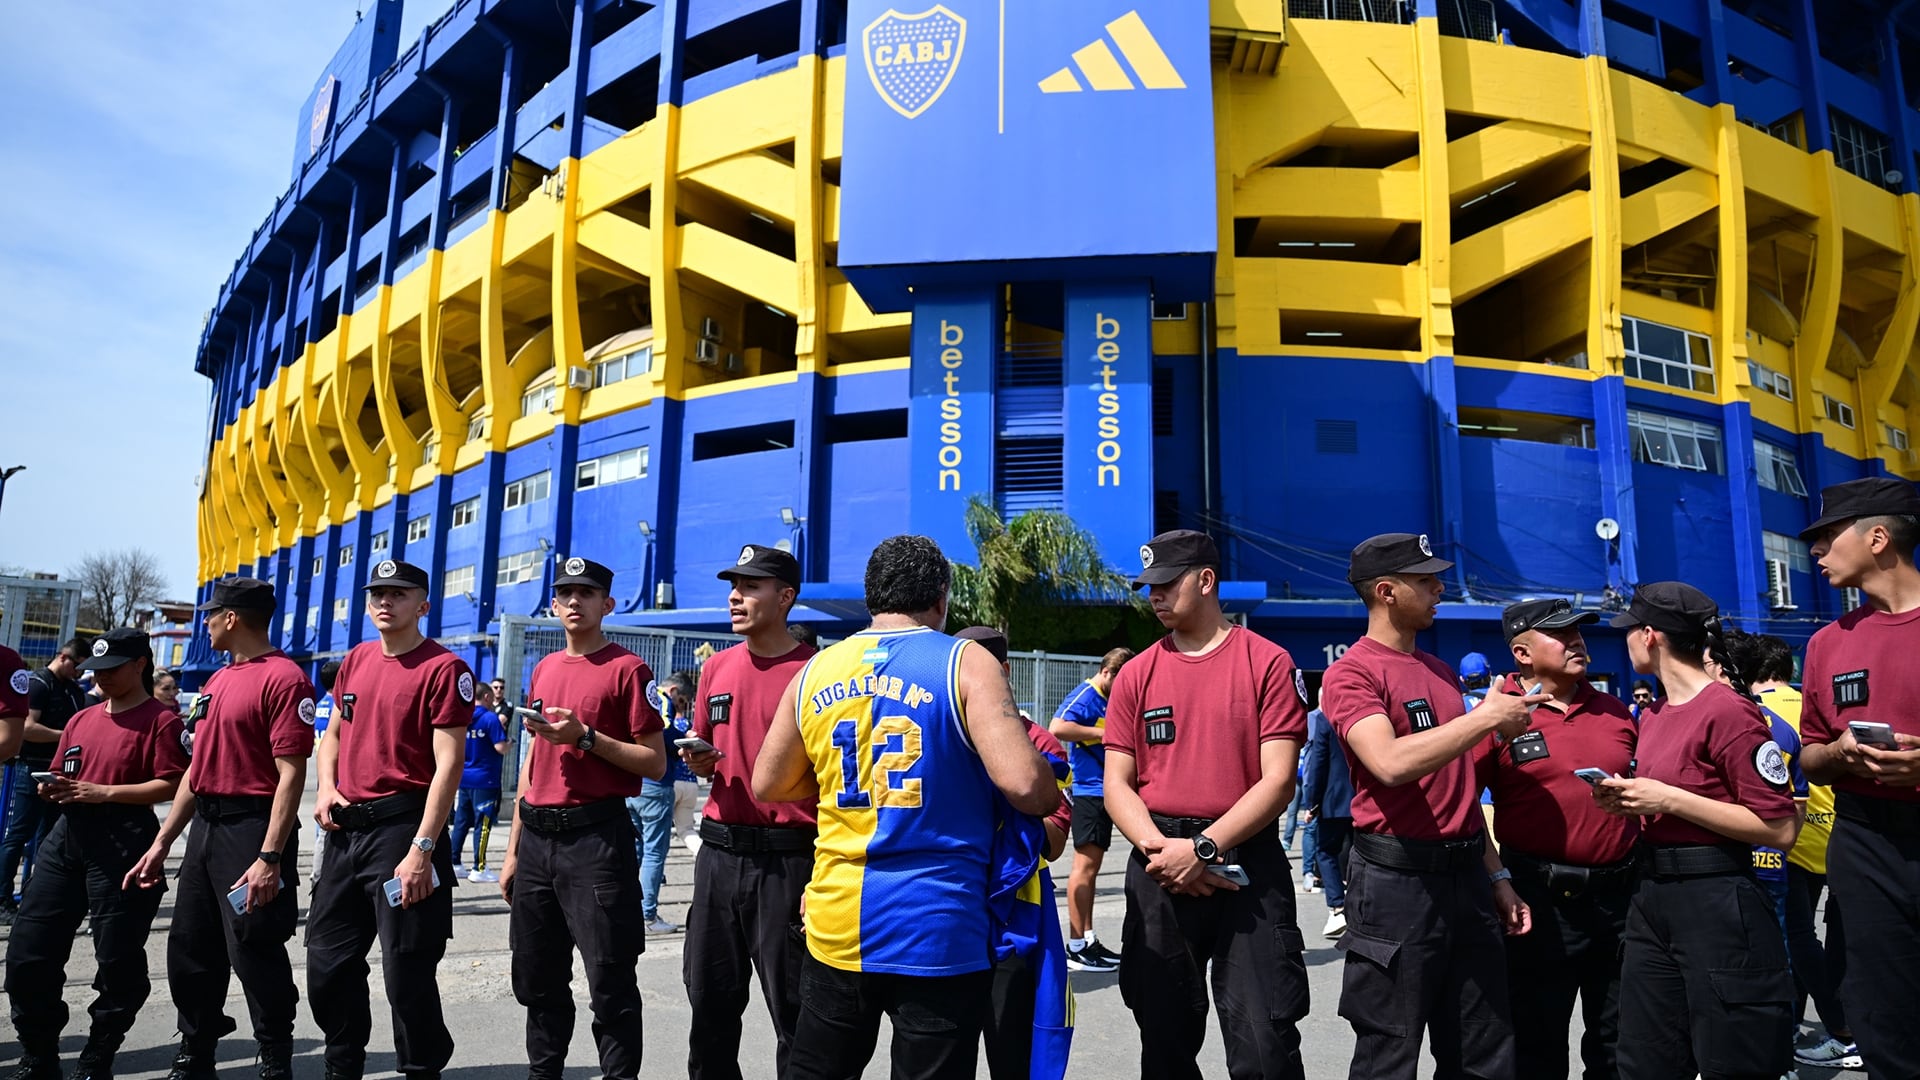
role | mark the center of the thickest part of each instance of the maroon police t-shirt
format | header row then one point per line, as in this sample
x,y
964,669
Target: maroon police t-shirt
x,y
1193,725
257,710
133,747
607,691
386,707
1865,666
1716,745
1416,692
1539,806
738,694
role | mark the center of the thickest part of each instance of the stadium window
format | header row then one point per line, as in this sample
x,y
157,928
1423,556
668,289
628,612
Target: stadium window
x,y
1169,312
611,469
341,609
313,617
1675,442
538,397
1837,411
1778,468
1788,550
381,542
1667,355
466,512
457,581
1896,437
476,429
1769,380
530,489
417,528
346,555
623,367
518,567
319,565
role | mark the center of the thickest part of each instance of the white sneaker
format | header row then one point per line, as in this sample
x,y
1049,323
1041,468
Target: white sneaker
x,y
477,874
1830,1053
660,925
1308,884
459,870
1336,923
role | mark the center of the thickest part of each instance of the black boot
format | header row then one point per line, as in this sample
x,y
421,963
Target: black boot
x,y
36,1067
96,1058
336,1073
276,1061
192,1063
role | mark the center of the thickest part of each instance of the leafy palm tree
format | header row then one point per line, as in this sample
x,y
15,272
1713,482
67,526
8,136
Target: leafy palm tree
x,y
1040,579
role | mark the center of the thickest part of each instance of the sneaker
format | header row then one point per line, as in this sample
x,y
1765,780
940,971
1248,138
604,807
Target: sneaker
x,y
478,874
1830,1053
659,925
460,870
1100,950
1336,923
1309,884
1091,958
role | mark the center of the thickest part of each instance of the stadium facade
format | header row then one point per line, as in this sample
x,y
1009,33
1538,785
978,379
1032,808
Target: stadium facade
x,y
1594,293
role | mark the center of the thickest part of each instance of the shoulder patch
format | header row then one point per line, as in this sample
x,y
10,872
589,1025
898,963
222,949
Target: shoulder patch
x,y
306,710
1771,763
653,697
186,742
1300,686
21,681
466,686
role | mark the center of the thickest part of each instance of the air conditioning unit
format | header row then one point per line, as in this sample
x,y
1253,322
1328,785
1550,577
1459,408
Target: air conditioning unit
x,y
734,365
1850,599
707,352
710,329
579,378
1779,587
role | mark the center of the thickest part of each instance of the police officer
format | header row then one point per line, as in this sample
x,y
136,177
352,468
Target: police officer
x,y
1571,861
903,734
55,696
755,857
1703,984
1203,736
1427,897
571,877
389,767
1862,669
242,796
116,760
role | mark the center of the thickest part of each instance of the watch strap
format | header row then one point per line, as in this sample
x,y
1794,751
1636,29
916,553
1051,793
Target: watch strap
x,y
271,858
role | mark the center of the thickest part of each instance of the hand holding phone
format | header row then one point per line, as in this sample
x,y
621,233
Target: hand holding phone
x,y
530,715
1593,776
1878,736
45,777
696,745
392,887
237,899
1233,872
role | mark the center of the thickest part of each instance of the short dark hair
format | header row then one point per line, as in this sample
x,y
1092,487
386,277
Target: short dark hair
x,y
255,619
329,671
1761,657
1116,659
906,575
1642,684
1365,588
77,648
684,679
1902,529
802,633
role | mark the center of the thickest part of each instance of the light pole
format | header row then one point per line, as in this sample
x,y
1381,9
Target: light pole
x,y
5,474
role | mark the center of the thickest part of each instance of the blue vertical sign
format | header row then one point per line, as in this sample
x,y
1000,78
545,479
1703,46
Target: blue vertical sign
x,y
950,425
1109,413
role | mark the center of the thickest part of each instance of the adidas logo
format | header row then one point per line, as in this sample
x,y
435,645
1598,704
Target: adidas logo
x,y
1102,70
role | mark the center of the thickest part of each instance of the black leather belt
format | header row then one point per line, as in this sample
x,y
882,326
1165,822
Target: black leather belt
x,y
755,839
354,817
1881,815
228,807
1570,881
1699,860
1185,828
1420,856
562,819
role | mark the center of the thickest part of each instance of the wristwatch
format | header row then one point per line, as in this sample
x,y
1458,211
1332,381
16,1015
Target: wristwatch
x,y
1205,848
586,741
271,858
1500,875
424,843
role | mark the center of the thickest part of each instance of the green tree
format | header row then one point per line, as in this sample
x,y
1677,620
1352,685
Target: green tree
x,y
1041,580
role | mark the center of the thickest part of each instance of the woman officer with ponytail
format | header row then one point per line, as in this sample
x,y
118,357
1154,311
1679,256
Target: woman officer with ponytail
x,y
115,761
1704,986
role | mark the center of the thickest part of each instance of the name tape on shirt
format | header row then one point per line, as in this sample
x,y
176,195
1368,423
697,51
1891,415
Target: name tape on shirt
x,y
1420,714
719,708
346,707
1850,689
1159,724
1531,746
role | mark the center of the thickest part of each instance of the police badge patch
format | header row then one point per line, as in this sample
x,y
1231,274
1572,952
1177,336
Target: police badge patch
x,y
746,556
306,711
386,569
21,681
1771,764
576,566
1300,685
1425,547
1146,557
100,647
465,686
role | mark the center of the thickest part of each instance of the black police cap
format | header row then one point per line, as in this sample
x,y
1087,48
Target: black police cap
x,y
394,574
1528,615
1165,557
240,594
116,647
988,638
1393,553
1870,497
575,570
1671,606
758,560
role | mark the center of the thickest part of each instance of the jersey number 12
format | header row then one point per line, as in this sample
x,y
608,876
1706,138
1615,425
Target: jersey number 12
x,y
895,750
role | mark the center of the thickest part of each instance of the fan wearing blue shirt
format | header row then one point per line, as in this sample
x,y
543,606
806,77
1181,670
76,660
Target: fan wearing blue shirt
x,y
477,806
1080,723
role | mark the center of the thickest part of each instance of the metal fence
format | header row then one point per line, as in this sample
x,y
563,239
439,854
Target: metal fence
x,y
37,616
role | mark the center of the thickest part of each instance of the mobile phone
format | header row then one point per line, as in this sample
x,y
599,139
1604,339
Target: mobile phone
x,y
393,888
696,744
237,899
1878,736
530,714
1233,872
1593,776
45,777
1536,689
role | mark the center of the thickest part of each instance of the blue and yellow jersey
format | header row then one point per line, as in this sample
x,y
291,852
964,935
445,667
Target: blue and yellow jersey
x,y
1088,706
901,868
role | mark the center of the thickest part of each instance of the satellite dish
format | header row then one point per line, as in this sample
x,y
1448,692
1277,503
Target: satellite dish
x,y
1606,528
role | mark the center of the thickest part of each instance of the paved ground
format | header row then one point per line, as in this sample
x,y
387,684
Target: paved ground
x,y
488,1025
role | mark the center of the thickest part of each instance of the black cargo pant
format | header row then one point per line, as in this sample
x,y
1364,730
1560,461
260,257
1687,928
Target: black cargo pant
x,y
745,915
1424,953
936,1023
209,943
349,912
77,875
1874,872
1704,987
1249,937
578,887
1573,949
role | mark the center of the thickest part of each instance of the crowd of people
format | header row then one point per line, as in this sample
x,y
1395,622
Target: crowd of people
x,y
883,815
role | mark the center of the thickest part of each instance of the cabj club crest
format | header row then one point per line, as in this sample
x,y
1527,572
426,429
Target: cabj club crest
x,y
912,58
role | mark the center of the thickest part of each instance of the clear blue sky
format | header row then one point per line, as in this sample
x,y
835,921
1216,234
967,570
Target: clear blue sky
x,y
145,142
